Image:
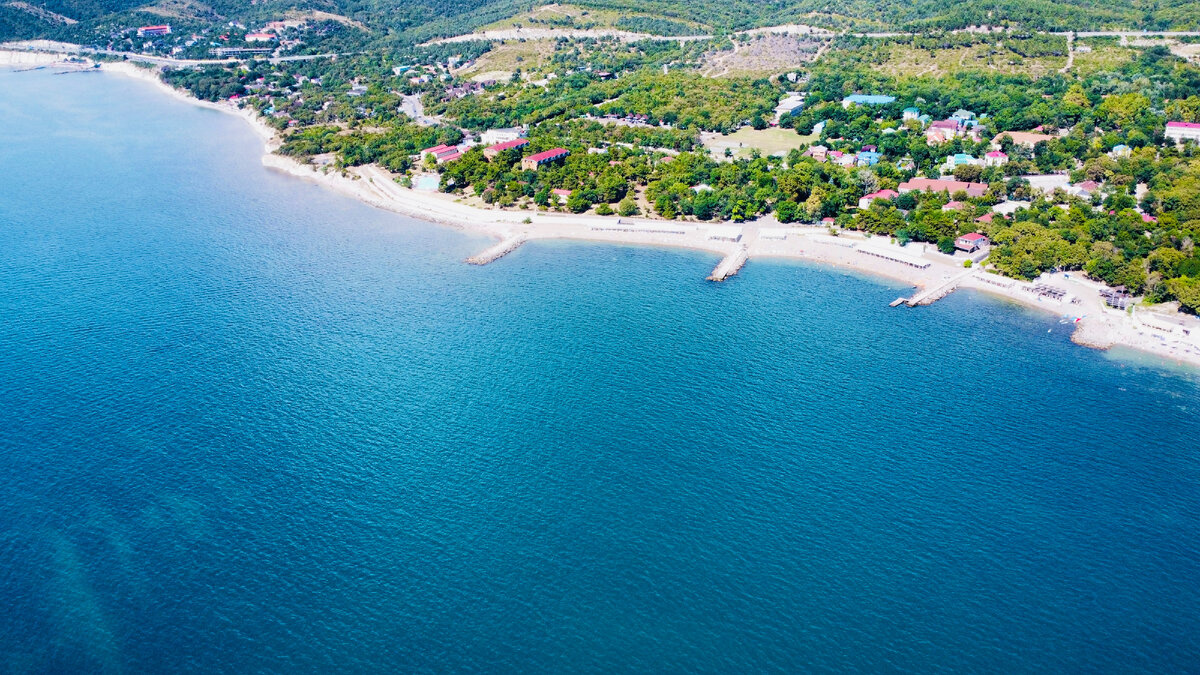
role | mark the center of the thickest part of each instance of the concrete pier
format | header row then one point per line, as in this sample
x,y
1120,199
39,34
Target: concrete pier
x,y
729,265
935,292
493,253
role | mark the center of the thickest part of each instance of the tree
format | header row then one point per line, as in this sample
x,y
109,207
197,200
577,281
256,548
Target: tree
x,y
786,211
946,245
627,207
577,203
1187,291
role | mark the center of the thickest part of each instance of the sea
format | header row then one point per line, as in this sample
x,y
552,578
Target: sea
x,y
248,425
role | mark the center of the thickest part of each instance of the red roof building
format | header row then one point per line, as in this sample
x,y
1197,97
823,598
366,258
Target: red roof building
x,y
147,31
942,185
492,150
970,242
532,162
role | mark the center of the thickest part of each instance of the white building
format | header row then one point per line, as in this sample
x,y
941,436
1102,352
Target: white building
x,y
493,136
1183,131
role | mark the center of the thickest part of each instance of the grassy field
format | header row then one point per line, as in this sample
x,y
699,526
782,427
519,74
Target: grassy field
x,y
1102,58
505,57
907,61
572,16
767,141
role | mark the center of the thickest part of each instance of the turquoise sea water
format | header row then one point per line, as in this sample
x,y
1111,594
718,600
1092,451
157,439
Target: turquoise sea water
x,y
247,425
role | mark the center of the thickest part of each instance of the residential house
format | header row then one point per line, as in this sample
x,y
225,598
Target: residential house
x,y
971,242
865,201
995,158
1120,151
868,158
910,114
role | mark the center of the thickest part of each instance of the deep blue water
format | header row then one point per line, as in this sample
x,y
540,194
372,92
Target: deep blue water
x,y
247,425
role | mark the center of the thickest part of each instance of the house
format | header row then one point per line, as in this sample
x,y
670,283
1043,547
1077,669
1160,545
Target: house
x,y
535,161
971,242
789,105
259,37
986,218
1119,151
357,90
906,164
1085,189
865,201
817,152
942,185
866,99
910,114
868,158
561,194
963,117
154,31
954,206
995,158
942,131
491,151
1025,138
842,159
450,156
1183,131
502,135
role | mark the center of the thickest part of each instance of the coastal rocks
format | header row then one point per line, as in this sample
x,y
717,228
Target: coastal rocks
x,y
501,249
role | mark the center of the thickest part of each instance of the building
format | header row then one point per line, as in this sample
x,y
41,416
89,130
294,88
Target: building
x,y
971,242
535,161
818,152
943,185
1119,151
259,37
866,99
491,151
504,135
153,31
561,195
995,158
1183,131
865,201
437,150
1084,189
963,116
954,206
868,158
942,131
789,105
910,114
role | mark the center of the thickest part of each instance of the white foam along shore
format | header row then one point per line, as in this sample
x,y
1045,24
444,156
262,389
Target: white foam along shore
x,y
1166,334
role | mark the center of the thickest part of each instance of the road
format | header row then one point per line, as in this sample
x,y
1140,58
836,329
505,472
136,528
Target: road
x,y
67,48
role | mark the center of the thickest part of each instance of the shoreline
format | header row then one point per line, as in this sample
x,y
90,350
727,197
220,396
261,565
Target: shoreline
x,y
1172,337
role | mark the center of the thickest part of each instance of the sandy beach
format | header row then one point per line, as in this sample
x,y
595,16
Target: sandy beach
x,y
1158,331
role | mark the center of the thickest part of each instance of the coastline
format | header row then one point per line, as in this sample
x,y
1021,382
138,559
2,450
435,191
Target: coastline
x,y
1175,338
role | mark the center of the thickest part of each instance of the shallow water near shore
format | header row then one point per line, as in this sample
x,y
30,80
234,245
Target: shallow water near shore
x,y
250,425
